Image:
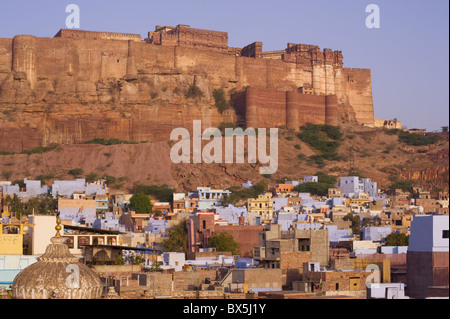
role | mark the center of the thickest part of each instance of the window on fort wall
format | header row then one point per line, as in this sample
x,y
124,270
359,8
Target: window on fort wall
x,y
445,234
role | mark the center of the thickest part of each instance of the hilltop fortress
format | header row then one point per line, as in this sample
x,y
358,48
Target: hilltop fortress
x,y
81,85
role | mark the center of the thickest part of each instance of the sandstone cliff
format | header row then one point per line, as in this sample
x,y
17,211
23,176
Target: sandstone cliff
x,y
81,85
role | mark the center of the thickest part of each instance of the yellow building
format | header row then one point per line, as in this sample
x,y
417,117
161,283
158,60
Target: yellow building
x,y
362,199
11,237
263,205
5,212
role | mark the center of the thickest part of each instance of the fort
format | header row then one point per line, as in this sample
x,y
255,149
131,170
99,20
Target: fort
x,y
81,85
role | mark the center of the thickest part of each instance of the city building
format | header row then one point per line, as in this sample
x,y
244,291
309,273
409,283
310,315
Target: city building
x,y
351,186
77,210
202,225
208,198
428,255
273,242
263,206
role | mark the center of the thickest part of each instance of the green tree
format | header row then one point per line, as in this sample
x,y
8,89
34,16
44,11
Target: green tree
x,y
177,239
16,206
320,188
194,92
415,139
138,260
406,186
224,242
156,266
220,100
45,177
397,240
110,180
76,172
6,174
163,192
141,204
356,223
370,222
91,177
19,182
324,138
239,193
119,261
228,199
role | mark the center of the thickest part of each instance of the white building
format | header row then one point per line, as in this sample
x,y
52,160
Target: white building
x,y
67,188
386,291
429,233
174,260
351,186
427,256
43,231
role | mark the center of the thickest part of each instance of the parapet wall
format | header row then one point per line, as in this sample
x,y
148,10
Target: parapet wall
x,y
183,35
82,34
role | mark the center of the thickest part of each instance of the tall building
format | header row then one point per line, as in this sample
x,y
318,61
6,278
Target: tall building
x,y
427,258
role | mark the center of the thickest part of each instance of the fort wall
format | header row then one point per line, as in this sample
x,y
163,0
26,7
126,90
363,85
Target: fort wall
x,y
276,108
5,57
100,84
357,85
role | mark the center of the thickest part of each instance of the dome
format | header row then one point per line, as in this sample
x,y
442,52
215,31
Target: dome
x,y
57,275
112,294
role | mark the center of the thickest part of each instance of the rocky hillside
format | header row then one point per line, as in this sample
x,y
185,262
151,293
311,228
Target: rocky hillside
x,y
370,152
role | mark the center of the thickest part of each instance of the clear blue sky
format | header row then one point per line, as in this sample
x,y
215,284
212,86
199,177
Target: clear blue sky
x,y
408,54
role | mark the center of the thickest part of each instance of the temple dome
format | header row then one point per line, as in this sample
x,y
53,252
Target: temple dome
x,y
112,294
57,275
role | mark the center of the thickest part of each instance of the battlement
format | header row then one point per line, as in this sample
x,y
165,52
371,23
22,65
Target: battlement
x,y
101,35
357,70
184,35
355,74
294,47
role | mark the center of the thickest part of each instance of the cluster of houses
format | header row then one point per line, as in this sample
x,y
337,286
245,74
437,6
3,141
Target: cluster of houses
x,y
291,244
